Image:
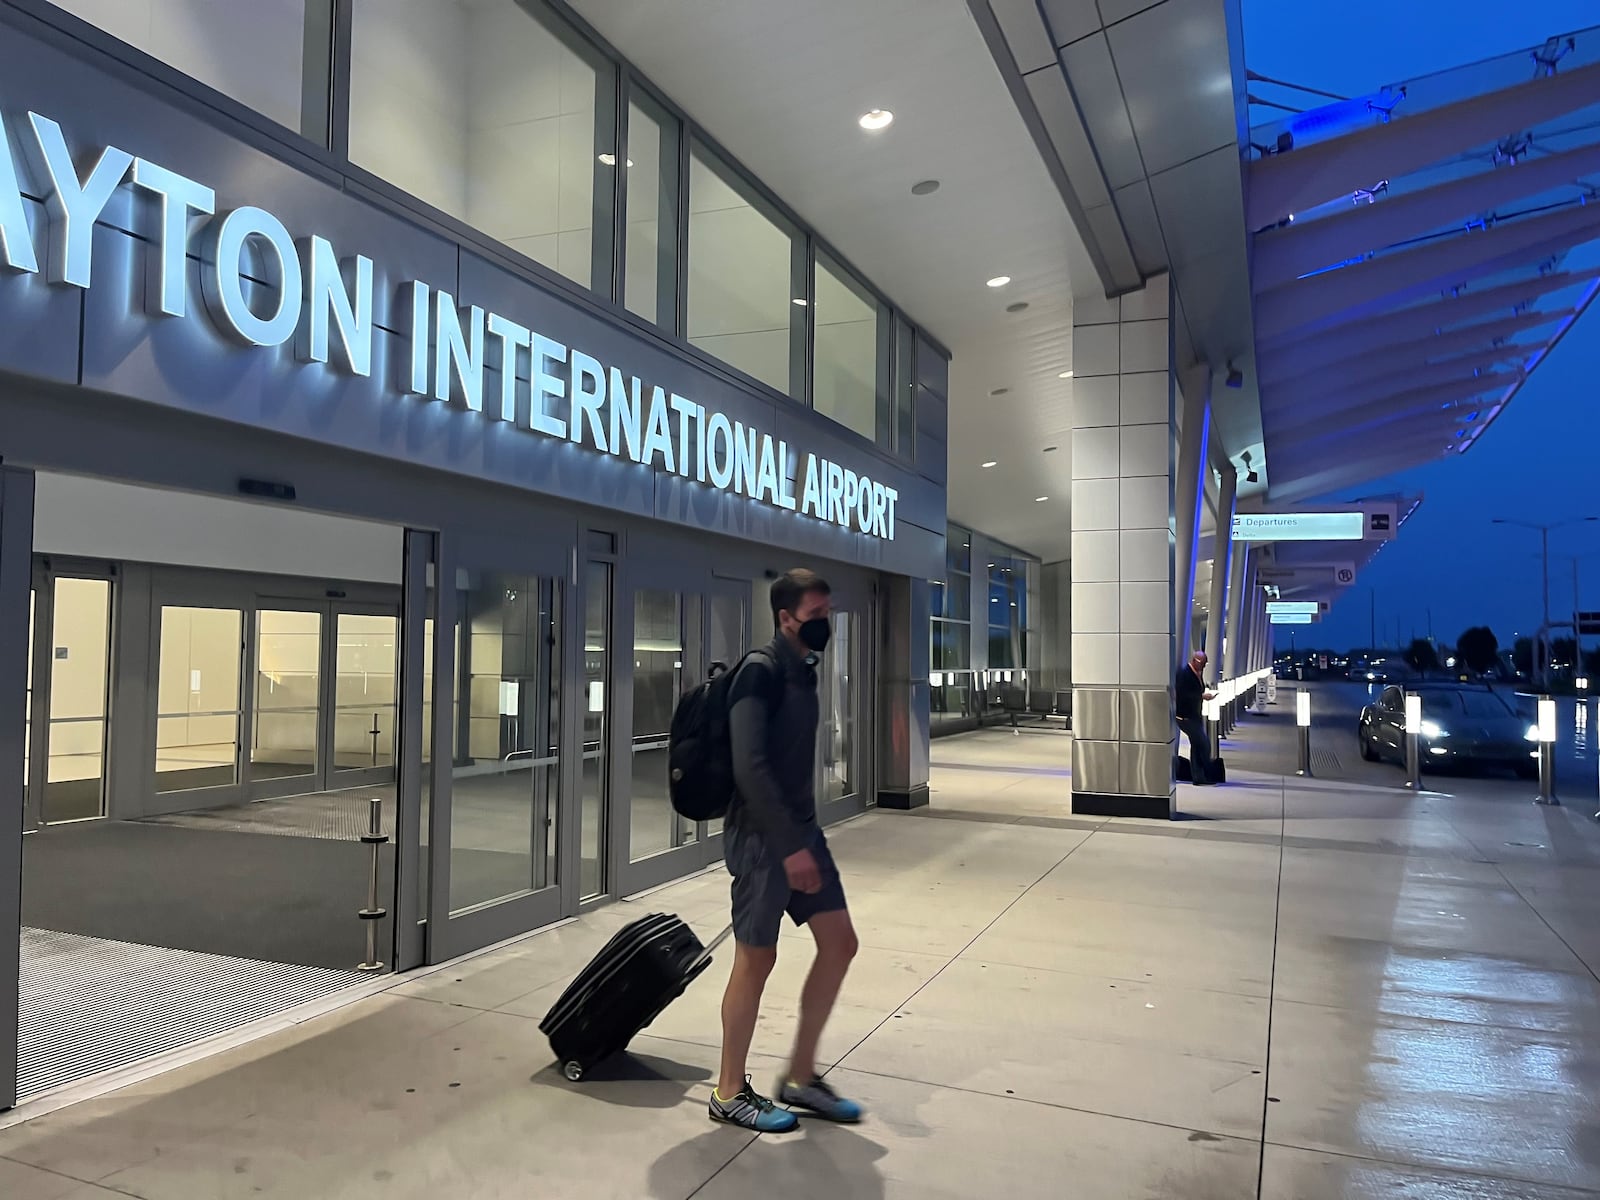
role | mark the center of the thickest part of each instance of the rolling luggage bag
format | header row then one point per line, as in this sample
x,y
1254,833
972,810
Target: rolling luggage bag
x,y
642,969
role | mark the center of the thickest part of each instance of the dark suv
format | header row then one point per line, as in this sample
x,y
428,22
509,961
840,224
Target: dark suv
x,y
1462,724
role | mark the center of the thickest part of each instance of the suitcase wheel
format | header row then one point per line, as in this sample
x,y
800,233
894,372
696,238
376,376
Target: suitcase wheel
x,y
573,1071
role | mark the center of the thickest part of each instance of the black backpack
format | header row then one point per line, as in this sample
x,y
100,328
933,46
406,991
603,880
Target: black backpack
x,y
699,748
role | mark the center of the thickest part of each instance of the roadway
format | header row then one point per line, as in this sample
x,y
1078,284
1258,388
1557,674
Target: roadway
x,y
1266,743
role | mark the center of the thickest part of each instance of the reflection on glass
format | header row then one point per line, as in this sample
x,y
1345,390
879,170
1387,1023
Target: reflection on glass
x,y
366,661
652,229
481,109
844,382
250,51
659,619
741,278
836,731
79,677
197,705
283,743
594,807
506,779
728,644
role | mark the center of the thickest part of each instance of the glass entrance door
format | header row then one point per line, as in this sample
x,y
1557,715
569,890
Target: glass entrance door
x,y
497,712
844,770
324,690
69,681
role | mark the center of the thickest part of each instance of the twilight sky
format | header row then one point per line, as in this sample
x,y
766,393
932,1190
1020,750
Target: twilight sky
x,y
1538,461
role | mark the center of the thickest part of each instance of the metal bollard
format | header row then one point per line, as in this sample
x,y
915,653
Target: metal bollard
x,y
1547,752
1413,741
372,913
1302,719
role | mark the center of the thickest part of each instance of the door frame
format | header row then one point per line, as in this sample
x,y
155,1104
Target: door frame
x,y
46,570
863,612
546,558
16,577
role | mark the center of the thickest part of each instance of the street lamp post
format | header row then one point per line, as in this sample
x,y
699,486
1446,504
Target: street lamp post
x,y
1542,642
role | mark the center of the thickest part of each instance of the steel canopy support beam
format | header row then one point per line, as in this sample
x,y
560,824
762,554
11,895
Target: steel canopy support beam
x,y
1283,255
1345,421
1394,279
1283,184
1372,380
1407,324
1286,369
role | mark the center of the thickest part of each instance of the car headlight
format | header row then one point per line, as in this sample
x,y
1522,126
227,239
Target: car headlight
x,y
1432,729
1533,733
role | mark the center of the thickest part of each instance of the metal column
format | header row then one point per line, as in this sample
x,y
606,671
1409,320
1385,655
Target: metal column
x,y
1221,565
16,559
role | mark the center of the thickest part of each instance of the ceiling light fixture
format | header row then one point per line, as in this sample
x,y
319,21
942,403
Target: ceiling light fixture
x,y
1065,375
1000,281
1251,474
925,188
999,391
1235,378
1049,450
1017,307
878,118
990,463
1040,499
610,160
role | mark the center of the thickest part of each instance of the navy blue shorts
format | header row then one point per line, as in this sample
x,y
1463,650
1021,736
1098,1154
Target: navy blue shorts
x,y
761,891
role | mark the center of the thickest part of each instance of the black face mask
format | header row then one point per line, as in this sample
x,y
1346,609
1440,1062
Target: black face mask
x,y
815,633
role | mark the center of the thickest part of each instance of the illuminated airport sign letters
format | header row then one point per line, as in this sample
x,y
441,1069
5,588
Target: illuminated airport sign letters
x,y
323,304
1299,527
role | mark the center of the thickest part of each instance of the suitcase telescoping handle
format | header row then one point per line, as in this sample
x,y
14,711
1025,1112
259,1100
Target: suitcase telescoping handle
x,y
705,955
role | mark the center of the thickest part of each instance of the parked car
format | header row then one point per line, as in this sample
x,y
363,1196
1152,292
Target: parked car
x,y
1463,724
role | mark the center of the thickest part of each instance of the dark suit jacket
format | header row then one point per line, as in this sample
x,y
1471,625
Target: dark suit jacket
x,y
1190,695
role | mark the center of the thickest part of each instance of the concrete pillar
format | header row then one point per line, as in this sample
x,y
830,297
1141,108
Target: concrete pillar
x,y
1221,568
904,697
1188,503
1237,571
1122,554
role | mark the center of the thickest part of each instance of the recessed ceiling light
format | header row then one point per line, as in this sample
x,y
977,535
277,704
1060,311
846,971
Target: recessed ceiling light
x,y
800,300
1065,375
878,118
999,391
925,187
1000,281
1049,450
990,463
1017,307
1040,499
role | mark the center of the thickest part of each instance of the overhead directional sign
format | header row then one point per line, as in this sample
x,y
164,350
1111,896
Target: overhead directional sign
x,y
1300,527
1292,607
1294,618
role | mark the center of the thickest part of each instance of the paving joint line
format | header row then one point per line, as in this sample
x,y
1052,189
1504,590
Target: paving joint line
x,y
1272,988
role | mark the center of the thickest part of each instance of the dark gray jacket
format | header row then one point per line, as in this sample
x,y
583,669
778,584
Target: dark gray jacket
x,y
772,719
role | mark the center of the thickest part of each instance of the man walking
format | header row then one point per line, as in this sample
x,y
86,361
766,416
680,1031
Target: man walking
x,y
780,863
1189,700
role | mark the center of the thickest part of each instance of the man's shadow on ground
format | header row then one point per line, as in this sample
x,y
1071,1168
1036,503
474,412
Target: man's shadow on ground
x,y
839,1162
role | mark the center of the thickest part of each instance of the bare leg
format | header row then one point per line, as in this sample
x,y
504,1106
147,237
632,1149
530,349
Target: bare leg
x,y
741,1005
836,946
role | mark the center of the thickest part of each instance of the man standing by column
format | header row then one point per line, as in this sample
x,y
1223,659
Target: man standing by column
x,y
1190,696
779,859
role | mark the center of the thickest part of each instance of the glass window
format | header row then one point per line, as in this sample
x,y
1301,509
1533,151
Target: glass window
x,y
905,390
254,51
659,623
958,548
746,300
507,777
288,689
493,116
650,284
366,661
79,674
197,705
844,383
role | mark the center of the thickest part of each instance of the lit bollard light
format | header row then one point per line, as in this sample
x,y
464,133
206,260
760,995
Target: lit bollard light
x,y
1547,751
1214,725
1302,719
1413,741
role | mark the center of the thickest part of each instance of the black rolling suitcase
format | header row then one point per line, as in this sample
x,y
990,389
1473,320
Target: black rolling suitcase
x,y
644,968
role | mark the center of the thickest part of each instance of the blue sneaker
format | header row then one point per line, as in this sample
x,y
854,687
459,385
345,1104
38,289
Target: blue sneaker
x,y
818,1099
751,1111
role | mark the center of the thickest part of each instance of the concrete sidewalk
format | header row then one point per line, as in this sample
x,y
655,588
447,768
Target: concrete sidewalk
x,y
1307,991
